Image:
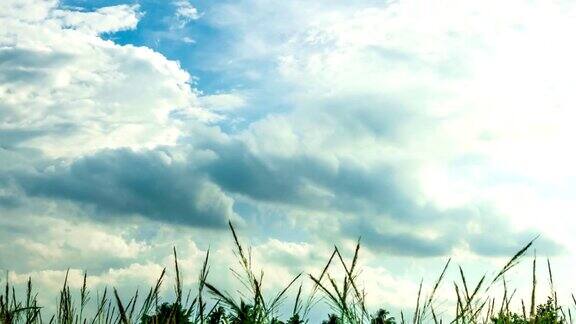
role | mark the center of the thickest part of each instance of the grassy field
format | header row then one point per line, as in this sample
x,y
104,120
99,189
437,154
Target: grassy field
x,y
209,304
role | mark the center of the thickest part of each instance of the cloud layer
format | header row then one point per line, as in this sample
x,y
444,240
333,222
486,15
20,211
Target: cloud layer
x,y
151,184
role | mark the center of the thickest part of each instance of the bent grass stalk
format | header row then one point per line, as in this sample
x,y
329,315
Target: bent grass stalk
x,y
345,297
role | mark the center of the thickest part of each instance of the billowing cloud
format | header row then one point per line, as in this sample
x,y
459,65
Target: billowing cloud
x,y
67,91
44,242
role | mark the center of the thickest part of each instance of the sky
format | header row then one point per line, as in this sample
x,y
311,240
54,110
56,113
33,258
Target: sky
x,y
428,129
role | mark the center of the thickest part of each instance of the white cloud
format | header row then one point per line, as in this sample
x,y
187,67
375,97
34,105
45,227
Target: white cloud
x,y
103,20
185,12
78,92
53,241
27,10
223,102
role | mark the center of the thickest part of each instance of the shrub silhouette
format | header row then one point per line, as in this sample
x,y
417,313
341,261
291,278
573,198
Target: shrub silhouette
x,y
167,313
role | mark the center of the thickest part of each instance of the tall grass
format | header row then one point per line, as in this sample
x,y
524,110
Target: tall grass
x,y
209,304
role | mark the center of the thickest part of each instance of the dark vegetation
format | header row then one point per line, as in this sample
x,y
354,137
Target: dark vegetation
x,y
346,299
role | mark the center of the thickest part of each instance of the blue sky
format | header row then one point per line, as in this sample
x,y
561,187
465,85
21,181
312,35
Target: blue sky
x,y
429,130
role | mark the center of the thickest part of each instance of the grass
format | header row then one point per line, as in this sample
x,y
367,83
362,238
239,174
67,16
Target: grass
x,y
347,300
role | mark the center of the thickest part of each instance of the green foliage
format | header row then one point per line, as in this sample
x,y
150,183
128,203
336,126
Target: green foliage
x,y
15,311
547,313
333,319
295,319
217,315
167,313
382,316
